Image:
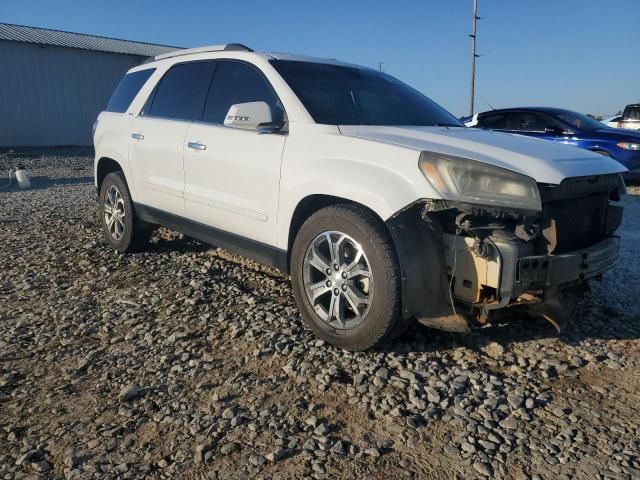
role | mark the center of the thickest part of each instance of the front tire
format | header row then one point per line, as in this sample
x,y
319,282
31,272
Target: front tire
x,y
346,278
122,228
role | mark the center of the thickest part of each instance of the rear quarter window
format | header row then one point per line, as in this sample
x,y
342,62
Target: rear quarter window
x,y
127,89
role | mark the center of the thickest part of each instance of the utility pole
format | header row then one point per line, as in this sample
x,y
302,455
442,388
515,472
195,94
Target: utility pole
x,y
380,64
473,55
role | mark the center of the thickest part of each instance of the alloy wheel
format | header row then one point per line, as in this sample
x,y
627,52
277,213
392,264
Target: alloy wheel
x,y
338,279
114,212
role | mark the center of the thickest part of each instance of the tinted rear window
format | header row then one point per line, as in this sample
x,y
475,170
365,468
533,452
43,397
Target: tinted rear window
x,y
181,91
127,89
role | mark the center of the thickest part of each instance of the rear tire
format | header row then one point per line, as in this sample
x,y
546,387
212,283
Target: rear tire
x,y
350,298
122,228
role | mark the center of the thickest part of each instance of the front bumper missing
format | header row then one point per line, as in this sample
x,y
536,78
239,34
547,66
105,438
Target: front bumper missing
x,y
516,275
559,269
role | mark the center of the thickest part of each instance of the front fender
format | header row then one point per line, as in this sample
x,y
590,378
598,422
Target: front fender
x,y
319,160
381,190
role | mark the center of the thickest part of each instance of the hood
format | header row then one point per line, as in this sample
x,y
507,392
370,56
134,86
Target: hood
x,y
620,134
542,160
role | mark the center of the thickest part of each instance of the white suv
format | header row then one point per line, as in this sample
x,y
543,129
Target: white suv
x,y
381,206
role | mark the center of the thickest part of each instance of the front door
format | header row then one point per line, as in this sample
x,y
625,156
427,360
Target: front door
x,y
232,176
537,125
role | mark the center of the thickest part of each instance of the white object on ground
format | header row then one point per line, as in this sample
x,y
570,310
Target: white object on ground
x,y
22,178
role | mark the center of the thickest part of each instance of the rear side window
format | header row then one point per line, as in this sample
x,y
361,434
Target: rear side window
x,y
180,93
531,122
496,121
127,89
236,82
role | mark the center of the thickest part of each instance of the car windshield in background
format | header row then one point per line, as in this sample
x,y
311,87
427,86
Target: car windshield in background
x,y
579,121
631,113
338,95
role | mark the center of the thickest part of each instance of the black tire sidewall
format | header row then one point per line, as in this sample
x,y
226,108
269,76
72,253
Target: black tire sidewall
x,y
116,180
384,309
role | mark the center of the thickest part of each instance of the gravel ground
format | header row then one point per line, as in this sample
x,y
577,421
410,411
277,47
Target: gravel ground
x,y
189,362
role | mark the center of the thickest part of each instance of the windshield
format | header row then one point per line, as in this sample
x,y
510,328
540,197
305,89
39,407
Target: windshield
x,y
579,121
337,95
632,112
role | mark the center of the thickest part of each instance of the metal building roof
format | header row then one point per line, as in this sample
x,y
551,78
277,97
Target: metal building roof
x,y
45,36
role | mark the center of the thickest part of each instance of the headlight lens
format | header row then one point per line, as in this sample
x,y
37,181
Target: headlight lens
x,y
629,146
469,181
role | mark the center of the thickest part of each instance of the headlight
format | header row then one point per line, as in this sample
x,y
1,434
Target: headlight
x,y
468,181
629,146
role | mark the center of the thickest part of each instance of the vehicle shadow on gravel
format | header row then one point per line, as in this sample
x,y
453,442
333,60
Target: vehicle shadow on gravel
x,y
182,245
590,323
40,153
422,339
42,183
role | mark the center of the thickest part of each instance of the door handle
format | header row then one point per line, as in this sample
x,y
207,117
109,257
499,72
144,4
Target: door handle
x,y
137,136
197,146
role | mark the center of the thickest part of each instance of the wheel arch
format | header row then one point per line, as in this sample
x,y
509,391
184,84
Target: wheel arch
x,y
418,246
419,243
309,205
104,166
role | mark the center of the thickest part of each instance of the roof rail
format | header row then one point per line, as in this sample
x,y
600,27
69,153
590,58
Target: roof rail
x,y
229,47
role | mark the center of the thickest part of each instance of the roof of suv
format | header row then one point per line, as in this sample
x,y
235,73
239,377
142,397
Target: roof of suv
x,y
238,47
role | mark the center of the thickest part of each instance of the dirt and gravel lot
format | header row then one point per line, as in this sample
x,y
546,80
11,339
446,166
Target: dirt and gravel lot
x,y
189,362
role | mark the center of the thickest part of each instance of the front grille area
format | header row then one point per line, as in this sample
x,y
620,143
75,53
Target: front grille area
x,y
578,187
575,223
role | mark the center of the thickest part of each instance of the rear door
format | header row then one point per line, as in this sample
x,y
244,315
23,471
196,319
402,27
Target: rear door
x,y
232,176
158,135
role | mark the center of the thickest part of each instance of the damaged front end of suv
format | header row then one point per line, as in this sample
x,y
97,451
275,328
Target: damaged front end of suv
x,y
505,241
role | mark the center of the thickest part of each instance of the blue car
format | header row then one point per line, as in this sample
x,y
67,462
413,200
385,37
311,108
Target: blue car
x,y
565,126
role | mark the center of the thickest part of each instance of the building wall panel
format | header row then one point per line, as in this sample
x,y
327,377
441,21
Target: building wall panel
x,y
51,95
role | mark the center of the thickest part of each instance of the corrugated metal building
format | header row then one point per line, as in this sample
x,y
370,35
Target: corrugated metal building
x,y
53,84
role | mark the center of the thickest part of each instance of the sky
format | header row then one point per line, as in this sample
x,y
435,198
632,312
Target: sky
x,y
576,54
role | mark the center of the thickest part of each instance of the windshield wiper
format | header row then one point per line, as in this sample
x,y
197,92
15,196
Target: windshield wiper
x,y
447,125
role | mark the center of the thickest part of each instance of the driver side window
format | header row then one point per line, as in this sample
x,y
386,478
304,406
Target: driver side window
x,y
495,121
531,122
233,83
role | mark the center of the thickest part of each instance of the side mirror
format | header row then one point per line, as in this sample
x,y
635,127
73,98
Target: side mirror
x,y
253,116
276,124
553,130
